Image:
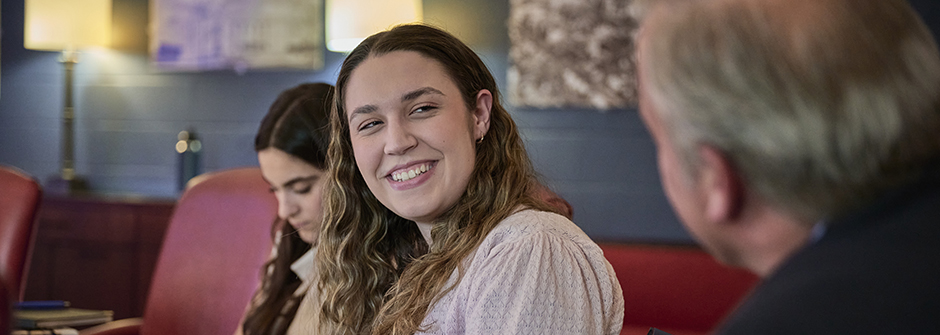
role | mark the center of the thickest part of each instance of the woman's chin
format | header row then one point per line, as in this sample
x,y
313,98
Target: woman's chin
x,y
308,236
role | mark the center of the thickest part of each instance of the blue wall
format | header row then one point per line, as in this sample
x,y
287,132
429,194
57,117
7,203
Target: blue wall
x,y
128,117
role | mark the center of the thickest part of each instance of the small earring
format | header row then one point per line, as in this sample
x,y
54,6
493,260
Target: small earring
x,y
480,140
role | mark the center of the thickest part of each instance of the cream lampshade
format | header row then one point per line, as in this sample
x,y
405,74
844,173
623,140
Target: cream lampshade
x,y
348,22
58,25
67,26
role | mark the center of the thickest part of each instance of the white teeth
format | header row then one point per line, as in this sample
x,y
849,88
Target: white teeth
x,y
410,174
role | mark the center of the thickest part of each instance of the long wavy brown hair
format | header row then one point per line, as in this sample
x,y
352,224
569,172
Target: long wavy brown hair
x,y
296,123
377,274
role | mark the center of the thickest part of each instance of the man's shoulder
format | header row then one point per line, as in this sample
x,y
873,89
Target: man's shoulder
x,y
808,306
861,280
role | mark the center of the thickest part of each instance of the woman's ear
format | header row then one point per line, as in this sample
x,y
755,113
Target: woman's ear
x,y
481,113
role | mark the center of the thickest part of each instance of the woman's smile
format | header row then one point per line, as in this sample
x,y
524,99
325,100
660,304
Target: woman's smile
x,y
408,174
411,177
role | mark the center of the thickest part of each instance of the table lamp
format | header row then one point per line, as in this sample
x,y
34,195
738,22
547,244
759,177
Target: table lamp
x,y
67,26
348,22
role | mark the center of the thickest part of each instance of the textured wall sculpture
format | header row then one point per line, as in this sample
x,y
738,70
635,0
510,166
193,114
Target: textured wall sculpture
x,y
571,53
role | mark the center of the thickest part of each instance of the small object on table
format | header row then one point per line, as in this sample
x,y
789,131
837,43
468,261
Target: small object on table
x,y
57,318
42,304
57,331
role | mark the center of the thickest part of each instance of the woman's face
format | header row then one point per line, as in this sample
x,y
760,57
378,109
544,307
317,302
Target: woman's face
x,y
298,187
412,135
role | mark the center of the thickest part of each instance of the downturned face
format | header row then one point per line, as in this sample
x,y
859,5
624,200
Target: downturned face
x,y
298,187
412,135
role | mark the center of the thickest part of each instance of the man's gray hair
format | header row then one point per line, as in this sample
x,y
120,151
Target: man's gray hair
x,y
821,105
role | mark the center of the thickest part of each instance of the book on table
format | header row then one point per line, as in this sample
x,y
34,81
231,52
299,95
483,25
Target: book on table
x,y
63,317
56,331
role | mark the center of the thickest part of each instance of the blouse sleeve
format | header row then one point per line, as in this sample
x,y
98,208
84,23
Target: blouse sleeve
x,y
543,284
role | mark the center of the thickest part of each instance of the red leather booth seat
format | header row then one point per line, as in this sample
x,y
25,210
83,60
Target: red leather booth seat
x,y
19,200
210,261
679,289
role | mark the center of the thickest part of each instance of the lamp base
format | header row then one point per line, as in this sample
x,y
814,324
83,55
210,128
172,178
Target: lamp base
x,y
61,186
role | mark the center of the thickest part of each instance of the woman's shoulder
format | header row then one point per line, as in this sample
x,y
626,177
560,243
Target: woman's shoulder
x,y
529,228
530,222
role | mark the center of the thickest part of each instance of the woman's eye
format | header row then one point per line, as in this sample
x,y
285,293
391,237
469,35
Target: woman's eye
x,y
368,125
424,109
303,190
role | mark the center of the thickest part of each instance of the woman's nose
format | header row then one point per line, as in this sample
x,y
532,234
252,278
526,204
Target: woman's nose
x,y
285,208
398,139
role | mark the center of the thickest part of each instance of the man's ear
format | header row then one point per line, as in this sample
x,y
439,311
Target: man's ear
x,y
721,185
481,113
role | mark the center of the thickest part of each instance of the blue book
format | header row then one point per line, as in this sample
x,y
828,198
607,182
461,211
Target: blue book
x,y
42,304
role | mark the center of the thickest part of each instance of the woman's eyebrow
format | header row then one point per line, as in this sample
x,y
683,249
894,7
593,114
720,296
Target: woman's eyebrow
x,y
419,92
363,110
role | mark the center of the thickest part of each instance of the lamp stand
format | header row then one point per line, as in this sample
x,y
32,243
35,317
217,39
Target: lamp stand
x,y
67,182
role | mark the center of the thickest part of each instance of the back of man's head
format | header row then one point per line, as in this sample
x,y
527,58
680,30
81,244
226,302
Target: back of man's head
x,y
821,105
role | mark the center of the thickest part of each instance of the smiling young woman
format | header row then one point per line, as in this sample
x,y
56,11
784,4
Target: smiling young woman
x,y
433,222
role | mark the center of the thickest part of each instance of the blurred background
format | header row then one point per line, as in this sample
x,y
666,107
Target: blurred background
x,y
129,115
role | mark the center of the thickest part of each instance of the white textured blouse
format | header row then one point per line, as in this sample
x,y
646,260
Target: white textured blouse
x,y
535,273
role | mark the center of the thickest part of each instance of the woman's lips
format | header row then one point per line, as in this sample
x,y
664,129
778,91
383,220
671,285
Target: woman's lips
x,y
299,226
